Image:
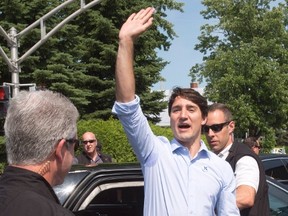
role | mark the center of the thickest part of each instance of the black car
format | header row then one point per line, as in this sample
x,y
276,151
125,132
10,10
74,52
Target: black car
x,y
104,190
118,189
278,197
276,166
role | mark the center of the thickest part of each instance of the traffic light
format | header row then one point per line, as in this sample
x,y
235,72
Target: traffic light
x,y
4,100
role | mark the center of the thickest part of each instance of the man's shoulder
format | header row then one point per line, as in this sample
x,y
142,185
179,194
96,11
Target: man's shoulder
x,y
106,158
240,150
220,166
32,203
81,155
245,155
216,159
83,158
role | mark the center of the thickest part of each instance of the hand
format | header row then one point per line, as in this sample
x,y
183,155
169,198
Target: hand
x,y
136,24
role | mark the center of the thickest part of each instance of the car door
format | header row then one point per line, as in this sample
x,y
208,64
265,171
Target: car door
x,y
109,193
277,168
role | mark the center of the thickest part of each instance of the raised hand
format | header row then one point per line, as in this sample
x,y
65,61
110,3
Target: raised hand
x,y
136,24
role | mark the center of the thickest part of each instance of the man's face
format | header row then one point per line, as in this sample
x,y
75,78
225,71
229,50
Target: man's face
x,y
221,136
89,143
67,160
186,121
257,148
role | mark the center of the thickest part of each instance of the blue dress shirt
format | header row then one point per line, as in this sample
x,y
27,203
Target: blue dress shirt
x,y
175,183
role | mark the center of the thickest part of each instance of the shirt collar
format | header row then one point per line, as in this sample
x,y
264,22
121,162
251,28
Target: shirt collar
x,y
204,149
175,145
225,152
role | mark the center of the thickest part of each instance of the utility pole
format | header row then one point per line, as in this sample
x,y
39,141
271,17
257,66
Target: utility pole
x,y
12,37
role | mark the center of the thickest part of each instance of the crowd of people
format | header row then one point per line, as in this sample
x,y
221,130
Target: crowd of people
x,y
182,176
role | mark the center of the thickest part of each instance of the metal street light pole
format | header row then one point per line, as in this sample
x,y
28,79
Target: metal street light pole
x,y
13,40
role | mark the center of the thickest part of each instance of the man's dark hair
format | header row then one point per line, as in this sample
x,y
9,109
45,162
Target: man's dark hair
x,y
250,141
191,95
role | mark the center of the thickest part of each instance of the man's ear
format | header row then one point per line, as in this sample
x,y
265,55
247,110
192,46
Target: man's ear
x,y
60,150
204,121
231,127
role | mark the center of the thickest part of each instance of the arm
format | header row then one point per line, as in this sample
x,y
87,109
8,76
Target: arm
x,y
245,196
135,25
247,181
127,105
226,205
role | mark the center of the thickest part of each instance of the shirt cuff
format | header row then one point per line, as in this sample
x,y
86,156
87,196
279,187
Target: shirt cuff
x,y
126,108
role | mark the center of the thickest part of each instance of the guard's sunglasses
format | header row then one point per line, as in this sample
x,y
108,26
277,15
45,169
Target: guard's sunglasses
x,y
88,141
215,127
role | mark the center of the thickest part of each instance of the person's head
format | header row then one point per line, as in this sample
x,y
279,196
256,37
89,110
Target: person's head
x,y
219,127
89,143
187,109
253,144
40,128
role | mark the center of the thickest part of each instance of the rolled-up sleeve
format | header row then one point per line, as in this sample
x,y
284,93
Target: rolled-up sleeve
x,y
136,128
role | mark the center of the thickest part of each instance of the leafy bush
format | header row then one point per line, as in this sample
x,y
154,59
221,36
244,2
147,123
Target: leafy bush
x,y
111,135
3,160
113,138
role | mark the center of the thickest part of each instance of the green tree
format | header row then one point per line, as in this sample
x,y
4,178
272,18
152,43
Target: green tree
x,y
245,63
79,60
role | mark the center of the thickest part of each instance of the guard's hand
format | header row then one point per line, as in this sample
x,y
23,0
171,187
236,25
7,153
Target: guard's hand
x,y
136,24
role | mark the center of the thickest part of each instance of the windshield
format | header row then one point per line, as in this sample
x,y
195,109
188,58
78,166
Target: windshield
x,y
64,190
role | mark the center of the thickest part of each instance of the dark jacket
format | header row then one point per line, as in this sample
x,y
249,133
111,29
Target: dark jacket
x,y
26,193
105,158
261,204
83,158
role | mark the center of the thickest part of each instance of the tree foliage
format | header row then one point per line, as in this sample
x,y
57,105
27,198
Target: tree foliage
x,y
112,136
79,60
245,63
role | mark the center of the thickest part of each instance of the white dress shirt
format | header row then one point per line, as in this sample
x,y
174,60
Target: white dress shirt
x,y
246,169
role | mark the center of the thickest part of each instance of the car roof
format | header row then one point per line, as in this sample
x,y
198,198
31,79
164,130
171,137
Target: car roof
x,y
79,174
105,166
271,156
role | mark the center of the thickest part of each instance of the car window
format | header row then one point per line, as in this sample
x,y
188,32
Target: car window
x,y
285,161
278,200
276,169
64,190
114,199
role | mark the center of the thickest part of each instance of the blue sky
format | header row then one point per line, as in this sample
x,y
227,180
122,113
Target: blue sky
x,y
181,54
